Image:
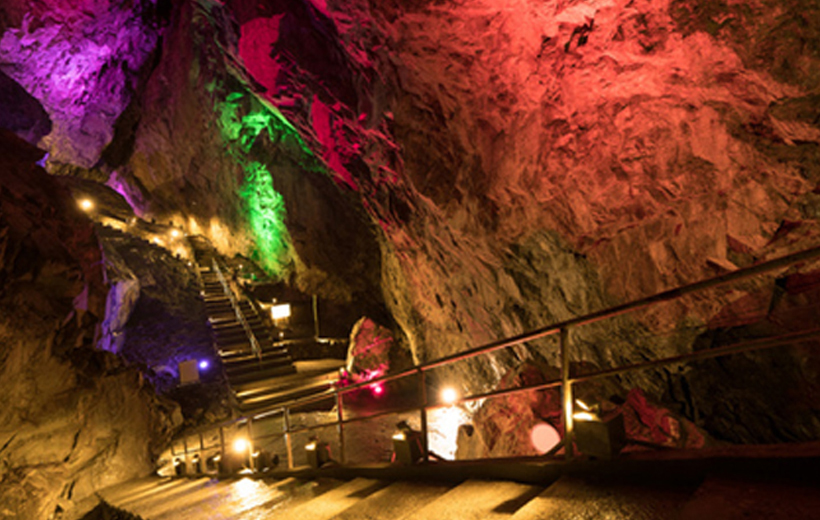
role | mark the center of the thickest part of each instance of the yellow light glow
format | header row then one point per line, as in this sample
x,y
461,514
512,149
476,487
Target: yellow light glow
x,y
399,436
175,233
86,204
311,446
279,312
240,445
582,404
449,395
584,416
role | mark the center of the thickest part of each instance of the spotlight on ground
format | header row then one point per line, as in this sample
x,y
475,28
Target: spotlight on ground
x,y
86,204
449,395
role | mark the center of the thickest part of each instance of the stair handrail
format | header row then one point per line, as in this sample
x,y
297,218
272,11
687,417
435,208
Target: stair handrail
x,y
257,351
565,381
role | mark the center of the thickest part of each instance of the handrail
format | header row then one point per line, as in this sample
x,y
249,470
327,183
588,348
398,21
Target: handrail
x,y
567,380
239,316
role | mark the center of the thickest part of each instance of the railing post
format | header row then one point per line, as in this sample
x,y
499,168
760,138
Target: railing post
x,y
251,446
566,393
315,317
340,427
423,410
222,454
288,440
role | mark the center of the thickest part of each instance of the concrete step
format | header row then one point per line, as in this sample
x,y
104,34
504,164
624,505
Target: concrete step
x,y
572,498
260,375
255,367
478,500
249,362
336,501
396,501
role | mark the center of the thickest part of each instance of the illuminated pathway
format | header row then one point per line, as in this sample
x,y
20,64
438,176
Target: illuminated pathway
x,y
717,496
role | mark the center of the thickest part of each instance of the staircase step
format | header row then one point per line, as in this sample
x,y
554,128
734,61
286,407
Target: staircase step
x,y
476,499
274,353
395,501
236,370
336,501
229,351
261,375
572,498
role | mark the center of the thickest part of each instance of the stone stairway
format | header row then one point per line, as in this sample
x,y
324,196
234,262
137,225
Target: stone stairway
x,y
257,378
567,498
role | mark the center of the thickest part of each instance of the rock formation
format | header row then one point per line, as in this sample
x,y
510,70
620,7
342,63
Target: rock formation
x,y
73,418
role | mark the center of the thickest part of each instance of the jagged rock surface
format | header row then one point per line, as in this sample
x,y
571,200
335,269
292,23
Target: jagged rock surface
x,y
72,419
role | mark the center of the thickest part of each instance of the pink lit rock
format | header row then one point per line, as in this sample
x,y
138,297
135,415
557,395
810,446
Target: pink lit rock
x,y
368,355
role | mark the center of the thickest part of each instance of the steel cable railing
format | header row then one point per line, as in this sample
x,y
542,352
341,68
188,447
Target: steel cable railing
x,y
566,381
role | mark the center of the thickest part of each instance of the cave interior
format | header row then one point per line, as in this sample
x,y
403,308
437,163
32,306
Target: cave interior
x,y
428,176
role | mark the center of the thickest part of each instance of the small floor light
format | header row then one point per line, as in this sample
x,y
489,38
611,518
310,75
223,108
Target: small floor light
x,y
212,463
318,453
599,437
196,464
407,444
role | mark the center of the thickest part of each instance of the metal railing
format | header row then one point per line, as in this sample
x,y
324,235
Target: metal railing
x,y
257,351
565,382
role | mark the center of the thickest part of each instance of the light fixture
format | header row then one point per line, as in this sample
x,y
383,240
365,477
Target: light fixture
x,y
203,364
241,445
377,389
449,395
596,436
544,437
175,233
407,445
280,312
86,204
212,463
317,452
196,462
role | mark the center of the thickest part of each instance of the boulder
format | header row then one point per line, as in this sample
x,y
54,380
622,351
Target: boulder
x,y
371,351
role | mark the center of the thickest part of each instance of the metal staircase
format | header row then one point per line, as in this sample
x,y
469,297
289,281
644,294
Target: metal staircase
x,y
253,364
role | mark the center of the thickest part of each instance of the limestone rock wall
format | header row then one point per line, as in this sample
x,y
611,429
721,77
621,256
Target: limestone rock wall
x,y
72,419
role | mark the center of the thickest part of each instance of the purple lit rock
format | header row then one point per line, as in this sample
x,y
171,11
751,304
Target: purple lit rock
x,y
21,113
81,64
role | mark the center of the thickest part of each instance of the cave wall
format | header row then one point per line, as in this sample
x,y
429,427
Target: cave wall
x,y
530,161
475,167
72,419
